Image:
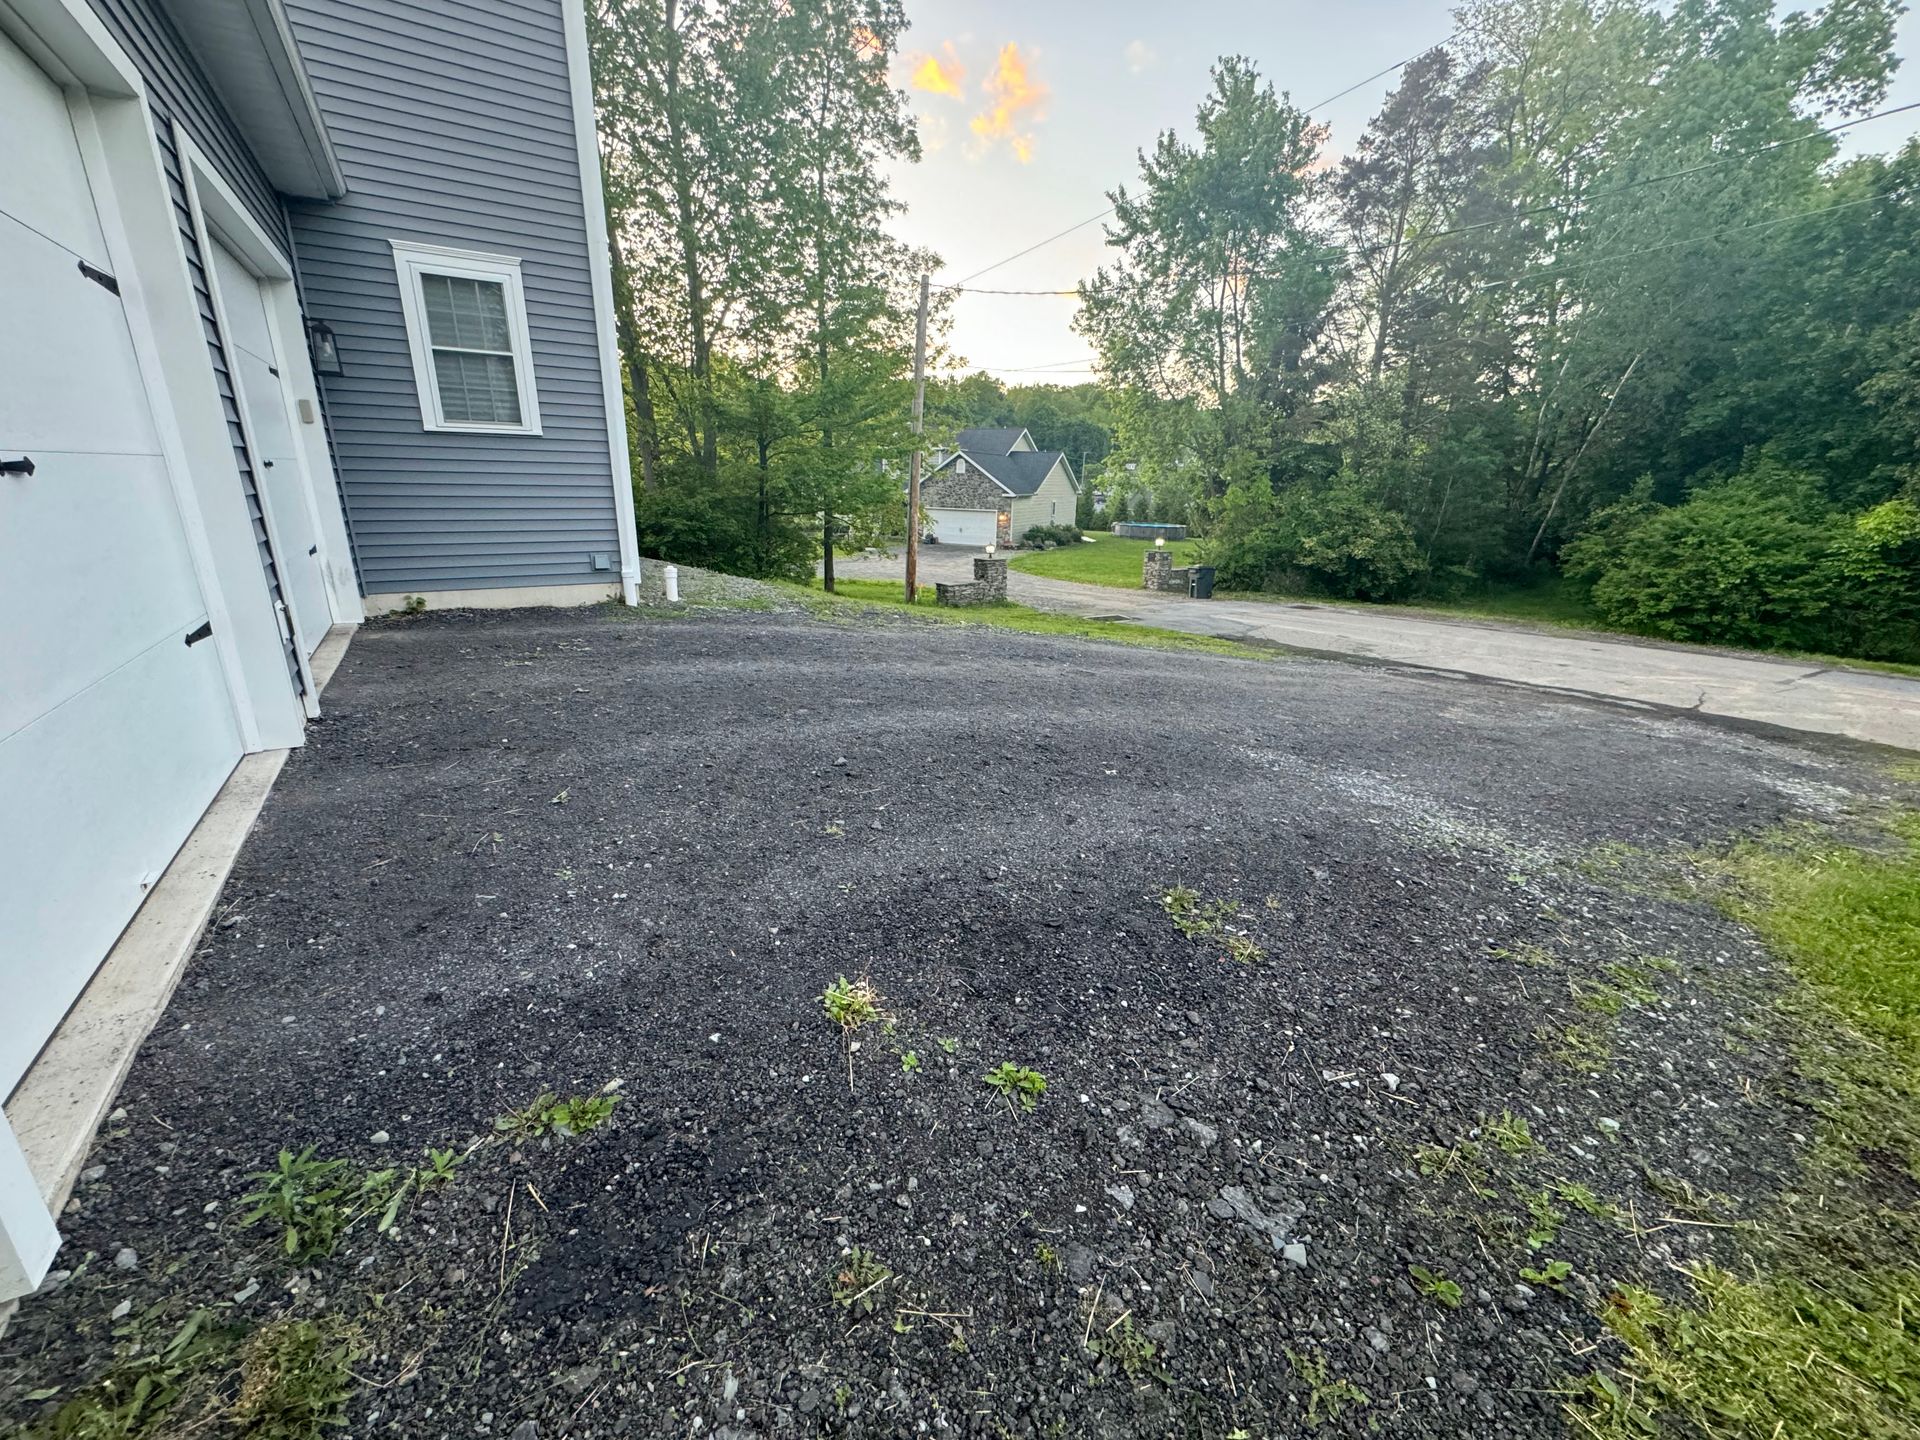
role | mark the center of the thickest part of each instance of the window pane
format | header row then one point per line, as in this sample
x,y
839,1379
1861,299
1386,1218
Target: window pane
x,y
477,389
464,312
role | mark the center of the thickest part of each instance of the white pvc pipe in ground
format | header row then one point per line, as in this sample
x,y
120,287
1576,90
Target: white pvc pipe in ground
x,y
672,577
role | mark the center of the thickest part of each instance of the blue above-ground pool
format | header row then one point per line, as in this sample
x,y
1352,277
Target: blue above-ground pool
x,y
1148,530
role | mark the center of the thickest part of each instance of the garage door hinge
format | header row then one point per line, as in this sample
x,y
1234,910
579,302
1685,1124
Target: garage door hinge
x,y
194,637
100,277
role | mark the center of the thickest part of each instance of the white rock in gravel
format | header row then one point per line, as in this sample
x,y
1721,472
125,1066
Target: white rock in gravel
x,y
1294,1254
379,1137
252,1289
126,1258
1392,1082
121,1311
1122,1195
93,1172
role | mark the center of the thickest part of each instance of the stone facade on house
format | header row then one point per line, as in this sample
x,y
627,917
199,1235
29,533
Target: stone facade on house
x,y
974,490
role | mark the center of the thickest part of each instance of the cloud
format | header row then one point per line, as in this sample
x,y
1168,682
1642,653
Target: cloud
x,y
935,77
934,132
1140,56
1017,101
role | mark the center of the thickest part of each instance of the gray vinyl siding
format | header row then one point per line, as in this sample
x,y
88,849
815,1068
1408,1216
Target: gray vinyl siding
x,y
454,126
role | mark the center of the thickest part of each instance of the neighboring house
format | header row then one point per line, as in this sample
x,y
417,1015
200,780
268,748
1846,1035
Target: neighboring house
x,y
994,487
308,310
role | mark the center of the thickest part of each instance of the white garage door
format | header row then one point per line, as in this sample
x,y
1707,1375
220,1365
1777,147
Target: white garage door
x,y
251,355
115,723
964,527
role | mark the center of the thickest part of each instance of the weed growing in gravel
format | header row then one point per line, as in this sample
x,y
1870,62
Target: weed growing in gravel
x,y
1018,1084
145,1384
857,1282
1552,1275
1242,950
950,1044
575,1115
1545,1219
302,1196
289,1380
439,1167
1128,1348
1436,1286
1460,1161
1597,999
851,1004
1534,957
909,1062
1512,1134
1582,1198
1049,1258
1584,1049
296,1377
1328,1398
1683,1195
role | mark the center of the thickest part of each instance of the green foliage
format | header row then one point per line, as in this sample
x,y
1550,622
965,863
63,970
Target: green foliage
x,y
1056,535
1512,1134
1551,1275
303,1197
1544,1219
1436,1287
1242,950
1328,1398
564,1118
1335,541
288,1380
1018,1084
1128,1348
909,1062
296,1377
851,1003
857,1281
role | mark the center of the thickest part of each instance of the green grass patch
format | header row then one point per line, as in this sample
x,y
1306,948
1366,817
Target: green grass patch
x,y
1816,1332
1099,560
851,596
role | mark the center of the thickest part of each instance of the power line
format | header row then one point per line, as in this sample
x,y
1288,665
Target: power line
x,y
1082,224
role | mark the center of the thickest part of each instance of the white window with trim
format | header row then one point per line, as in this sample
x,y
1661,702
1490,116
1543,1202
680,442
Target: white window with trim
x,y
466,319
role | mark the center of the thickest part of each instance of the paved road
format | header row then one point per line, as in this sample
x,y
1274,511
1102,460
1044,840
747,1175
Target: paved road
x,y
1799,695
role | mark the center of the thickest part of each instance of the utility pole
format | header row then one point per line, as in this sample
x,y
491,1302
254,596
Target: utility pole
x,y
913,466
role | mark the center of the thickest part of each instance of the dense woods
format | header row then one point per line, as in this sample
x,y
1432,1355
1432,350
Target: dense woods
x,y
1593,302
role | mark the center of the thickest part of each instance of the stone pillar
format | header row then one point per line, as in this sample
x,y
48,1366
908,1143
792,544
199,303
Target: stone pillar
x,y
991,577
1156,571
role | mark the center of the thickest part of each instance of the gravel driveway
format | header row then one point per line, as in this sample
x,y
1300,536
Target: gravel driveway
x,y
547,852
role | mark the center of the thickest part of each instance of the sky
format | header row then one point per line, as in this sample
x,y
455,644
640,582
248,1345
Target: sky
x,y
1031,110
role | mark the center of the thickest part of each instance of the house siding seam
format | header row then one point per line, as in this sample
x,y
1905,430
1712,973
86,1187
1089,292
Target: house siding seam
x,y
453,123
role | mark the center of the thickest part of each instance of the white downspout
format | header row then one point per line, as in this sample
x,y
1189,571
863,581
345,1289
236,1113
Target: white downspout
x,y
600,268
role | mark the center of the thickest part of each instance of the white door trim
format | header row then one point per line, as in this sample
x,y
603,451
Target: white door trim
x,y
309,692
221,212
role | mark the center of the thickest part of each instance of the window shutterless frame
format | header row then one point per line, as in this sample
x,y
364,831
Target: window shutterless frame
x,y
466,315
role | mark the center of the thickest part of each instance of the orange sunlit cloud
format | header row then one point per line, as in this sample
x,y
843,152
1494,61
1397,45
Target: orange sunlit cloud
x,y
1017,98
937,77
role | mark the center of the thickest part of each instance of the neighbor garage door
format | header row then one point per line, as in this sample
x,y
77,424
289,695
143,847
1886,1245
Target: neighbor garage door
x,y
963,527
115,724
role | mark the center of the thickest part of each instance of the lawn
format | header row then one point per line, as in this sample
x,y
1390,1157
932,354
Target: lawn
x,y
889,593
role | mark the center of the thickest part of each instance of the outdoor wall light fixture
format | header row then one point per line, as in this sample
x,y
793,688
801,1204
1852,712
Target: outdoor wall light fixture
x,y
989,549
326,349
1159,542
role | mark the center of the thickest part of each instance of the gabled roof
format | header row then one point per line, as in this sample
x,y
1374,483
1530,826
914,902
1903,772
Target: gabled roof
x,y
1019,473
991,441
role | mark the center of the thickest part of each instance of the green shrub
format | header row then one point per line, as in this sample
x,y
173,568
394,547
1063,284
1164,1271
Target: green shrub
x,y
1336,541
1736,564
1759,560
1038,535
